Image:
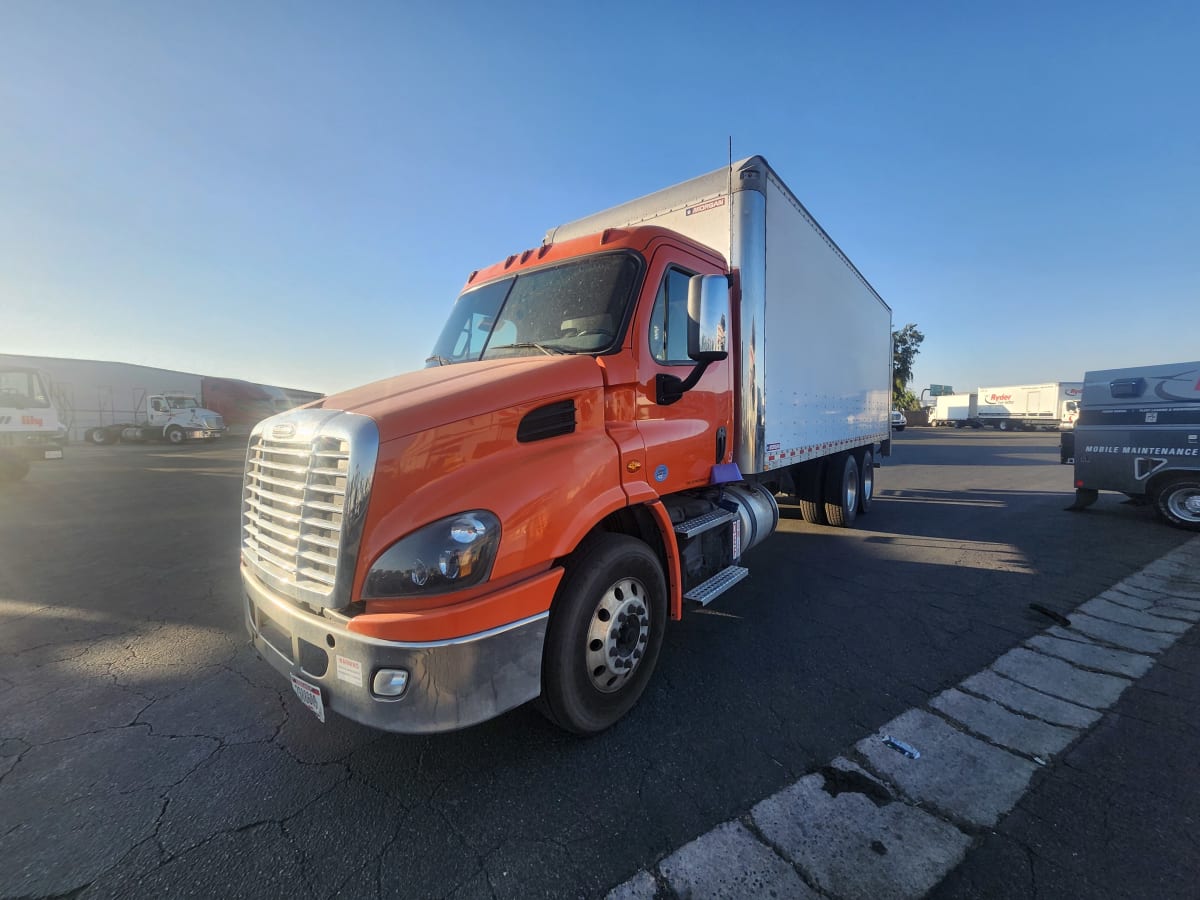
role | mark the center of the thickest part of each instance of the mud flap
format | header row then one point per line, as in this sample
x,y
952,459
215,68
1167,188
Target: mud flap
x,y
1084,497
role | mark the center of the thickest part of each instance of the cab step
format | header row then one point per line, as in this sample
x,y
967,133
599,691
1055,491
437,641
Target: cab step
x,y
717,585
692,527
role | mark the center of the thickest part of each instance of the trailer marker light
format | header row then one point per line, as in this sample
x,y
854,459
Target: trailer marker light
x,y
1078,482
390,682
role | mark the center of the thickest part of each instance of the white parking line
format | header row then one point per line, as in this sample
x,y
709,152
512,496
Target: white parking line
x,y
885,823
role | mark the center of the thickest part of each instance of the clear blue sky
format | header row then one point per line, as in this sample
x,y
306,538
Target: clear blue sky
x,y
294,193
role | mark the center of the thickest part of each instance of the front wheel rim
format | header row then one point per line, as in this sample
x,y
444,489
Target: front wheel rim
x,y
618,635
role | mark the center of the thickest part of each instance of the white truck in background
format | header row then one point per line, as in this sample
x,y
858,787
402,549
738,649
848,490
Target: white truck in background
x,y
173,417
29,429
1028,407
956,410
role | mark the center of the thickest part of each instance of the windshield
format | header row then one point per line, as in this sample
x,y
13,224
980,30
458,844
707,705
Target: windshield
x,y
183,402
22,389
578,307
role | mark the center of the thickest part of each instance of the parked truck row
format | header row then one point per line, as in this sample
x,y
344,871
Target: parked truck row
x,y
1053,405
598,439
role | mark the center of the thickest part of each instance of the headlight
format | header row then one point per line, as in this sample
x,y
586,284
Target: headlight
x,y
447,555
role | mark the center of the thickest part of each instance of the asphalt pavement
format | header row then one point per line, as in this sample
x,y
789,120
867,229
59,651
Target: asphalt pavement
x,y
145,750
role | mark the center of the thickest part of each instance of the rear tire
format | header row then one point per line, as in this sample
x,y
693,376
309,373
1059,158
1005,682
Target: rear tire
x,y
841,490
866,481
97,436
1178,502
606,630
810,491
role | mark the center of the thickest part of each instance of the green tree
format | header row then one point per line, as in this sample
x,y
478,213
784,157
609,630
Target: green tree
x,y
906,344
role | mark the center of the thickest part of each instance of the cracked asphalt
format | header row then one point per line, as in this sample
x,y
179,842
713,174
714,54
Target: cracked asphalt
x,y
145,750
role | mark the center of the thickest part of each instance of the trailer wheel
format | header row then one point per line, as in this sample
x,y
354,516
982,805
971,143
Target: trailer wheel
x,y
606,630
98,436
1179,502
841,490
866,481
1002,425
175,434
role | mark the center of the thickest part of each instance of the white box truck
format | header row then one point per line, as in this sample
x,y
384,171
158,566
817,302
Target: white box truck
x,y
598,437
1030,406
955,410
29,426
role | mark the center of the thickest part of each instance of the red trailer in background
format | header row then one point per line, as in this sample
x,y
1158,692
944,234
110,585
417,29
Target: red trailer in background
x,y
244,403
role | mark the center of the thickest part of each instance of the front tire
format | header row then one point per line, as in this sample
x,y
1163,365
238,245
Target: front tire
x,y
606,630
841,490
13,468
175,434
1178,502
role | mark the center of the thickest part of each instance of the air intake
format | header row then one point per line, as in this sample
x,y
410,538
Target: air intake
x,y
547,421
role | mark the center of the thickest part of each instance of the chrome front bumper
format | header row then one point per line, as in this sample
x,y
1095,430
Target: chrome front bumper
x,y
451,684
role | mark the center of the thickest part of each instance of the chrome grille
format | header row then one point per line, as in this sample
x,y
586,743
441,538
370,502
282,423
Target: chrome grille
x,y
214,422
304,497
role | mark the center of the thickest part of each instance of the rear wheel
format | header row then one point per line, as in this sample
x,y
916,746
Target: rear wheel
x,y
841,490
810,490
606,630
866,481
98,436
1179,503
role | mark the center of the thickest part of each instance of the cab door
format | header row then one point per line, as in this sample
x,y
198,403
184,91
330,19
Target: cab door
x,y
685,439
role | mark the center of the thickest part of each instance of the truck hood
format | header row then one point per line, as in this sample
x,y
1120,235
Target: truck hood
x,y
429,398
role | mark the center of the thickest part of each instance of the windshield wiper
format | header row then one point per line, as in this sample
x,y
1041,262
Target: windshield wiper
x,y
548,349
437,360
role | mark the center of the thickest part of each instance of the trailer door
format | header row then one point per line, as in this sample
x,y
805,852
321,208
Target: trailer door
x,y
1033,403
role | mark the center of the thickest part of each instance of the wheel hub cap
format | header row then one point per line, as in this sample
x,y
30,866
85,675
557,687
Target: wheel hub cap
x,y
618,634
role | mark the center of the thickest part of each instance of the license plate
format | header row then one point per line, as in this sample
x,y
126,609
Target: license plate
x,y
54,454
310,696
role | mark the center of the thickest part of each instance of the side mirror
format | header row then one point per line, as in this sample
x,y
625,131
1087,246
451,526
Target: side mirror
x,y
708,318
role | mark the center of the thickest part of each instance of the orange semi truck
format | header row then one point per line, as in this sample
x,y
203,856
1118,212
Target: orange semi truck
x,y
596,442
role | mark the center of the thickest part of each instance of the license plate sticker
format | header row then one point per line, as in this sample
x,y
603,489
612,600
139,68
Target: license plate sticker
x,y
310,696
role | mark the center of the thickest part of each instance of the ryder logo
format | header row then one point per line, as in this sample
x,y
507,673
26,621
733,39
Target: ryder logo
x,y
999,398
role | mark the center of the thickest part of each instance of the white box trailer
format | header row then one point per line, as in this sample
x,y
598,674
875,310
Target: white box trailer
x,y
1030,406
956,410
815,338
